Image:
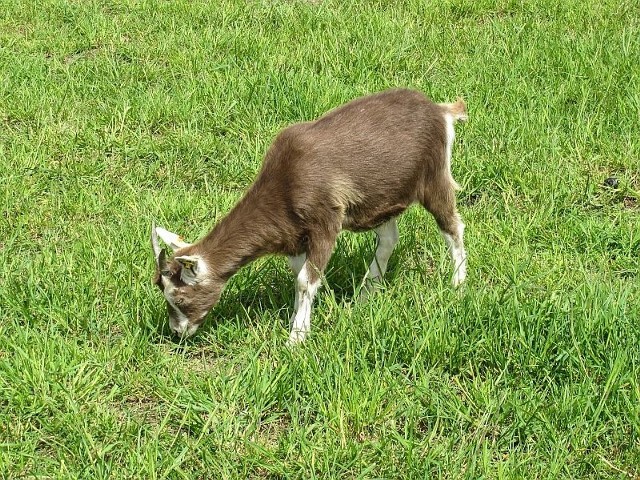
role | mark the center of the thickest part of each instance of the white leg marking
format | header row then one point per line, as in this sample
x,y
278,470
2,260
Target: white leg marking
x,y
458,255
306,291
387,239
296,263
388,235
455,242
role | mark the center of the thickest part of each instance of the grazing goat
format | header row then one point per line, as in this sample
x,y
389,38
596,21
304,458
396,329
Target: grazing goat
x,y
356,168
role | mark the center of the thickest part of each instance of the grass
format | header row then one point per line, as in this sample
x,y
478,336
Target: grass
x,y
113,114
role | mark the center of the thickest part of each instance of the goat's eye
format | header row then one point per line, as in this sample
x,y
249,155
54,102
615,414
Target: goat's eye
x,y
165,273
179,301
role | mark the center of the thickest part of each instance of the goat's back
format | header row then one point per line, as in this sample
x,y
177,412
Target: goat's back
x,y
368,159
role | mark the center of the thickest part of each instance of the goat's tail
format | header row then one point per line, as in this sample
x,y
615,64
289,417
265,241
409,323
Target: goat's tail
x,y
457,110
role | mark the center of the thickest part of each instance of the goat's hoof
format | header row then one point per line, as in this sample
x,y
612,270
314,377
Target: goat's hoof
x,y
458,279
363,296
370,288
296,337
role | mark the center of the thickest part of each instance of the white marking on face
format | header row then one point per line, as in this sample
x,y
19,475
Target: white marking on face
x,y
306,291
182,326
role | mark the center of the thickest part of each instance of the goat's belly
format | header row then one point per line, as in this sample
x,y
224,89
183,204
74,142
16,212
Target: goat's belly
x,y
359,219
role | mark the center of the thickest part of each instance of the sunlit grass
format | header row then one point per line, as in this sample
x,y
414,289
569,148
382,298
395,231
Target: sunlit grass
x,y
114,114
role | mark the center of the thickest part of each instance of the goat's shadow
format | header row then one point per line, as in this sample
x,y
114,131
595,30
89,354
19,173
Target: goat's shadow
x,y
268,286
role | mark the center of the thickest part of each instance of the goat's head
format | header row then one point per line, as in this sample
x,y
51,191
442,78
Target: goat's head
x,y
188,286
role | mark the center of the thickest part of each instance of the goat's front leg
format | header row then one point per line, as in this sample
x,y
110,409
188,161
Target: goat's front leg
x,y
308,282
387,238
296,263
306,289
440,200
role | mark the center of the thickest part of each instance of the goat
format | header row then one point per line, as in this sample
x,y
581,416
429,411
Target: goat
x,y
355,168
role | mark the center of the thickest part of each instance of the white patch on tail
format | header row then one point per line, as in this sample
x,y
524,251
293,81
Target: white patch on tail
x,y
457,110
451,136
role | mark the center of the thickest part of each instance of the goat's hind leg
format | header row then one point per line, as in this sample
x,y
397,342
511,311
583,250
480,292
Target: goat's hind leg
x,y
453,238
440,201
387,238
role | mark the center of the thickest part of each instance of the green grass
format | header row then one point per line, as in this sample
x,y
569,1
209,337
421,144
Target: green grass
x,y
114,114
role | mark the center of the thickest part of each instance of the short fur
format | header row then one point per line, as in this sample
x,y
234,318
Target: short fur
x,y
355,168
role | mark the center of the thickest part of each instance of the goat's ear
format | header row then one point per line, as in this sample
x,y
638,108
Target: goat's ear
x,y
171,239
155,244
162,262
159,254
193,269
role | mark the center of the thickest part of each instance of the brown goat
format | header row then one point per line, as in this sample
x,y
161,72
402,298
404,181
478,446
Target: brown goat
x,y
356,168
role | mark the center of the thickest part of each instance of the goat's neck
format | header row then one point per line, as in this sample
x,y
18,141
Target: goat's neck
x,y
239,238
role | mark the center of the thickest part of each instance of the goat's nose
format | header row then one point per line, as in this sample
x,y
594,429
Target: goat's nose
x,y
190,330
177,328
184,331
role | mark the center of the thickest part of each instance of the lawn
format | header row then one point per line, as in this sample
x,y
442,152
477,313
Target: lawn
x,y
114,114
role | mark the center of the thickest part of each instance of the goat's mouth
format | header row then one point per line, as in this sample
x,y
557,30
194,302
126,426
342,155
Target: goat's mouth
x,y
184,330
183,327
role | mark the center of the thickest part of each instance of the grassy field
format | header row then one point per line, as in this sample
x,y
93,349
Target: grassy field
x,y
117,113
